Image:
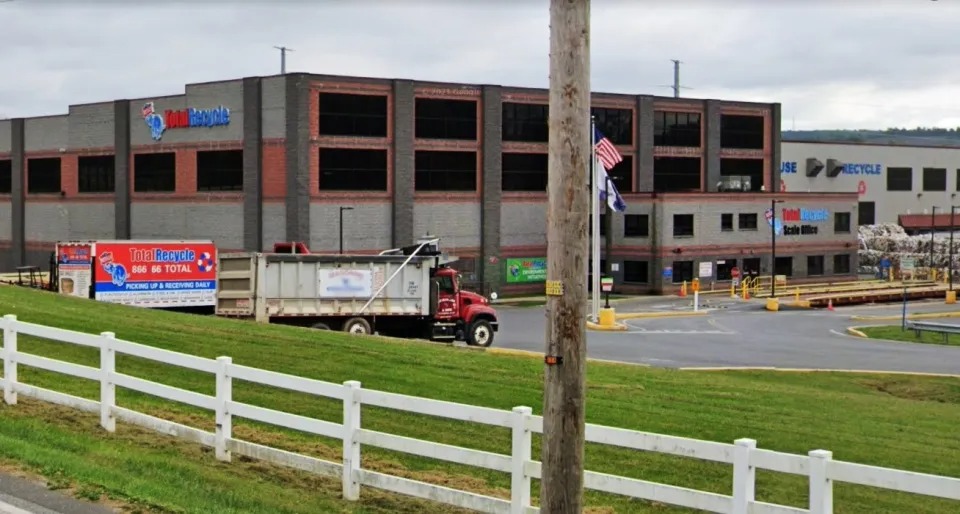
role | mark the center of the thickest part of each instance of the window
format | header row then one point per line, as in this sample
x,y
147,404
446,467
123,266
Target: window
x,y
622,175
726,221
220,170
841,222
899,179
743,132
784,266
751,265
934,179
724,269
616,124
636,272
446,119
676,174
747,221
741,174
353,115
524,172
814,265
841,264
446,171
636,225
682,271
43,175
958,179
676,129
95,174
6,177
155,173
525,122
682,225
350,169
866,213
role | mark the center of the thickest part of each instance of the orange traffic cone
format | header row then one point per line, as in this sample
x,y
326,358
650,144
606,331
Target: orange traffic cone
x,y
683,289
830,304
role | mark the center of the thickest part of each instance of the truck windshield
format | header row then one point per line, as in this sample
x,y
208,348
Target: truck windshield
x,y
445,285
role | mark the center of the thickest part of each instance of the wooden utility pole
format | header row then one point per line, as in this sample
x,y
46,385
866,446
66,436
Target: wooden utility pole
x,y
561,487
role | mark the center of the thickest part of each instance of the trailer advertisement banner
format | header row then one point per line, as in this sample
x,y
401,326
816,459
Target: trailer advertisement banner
x,y
530,269
344,283
161,274
73,269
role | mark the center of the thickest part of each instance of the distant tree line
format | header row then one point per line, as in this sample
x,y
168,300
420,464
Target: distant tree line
x,y
931,136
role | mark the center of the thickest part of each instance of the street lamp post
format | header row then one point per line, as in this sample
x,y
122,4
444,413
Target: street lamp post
x,y
953,210
933,230
342,208
773,247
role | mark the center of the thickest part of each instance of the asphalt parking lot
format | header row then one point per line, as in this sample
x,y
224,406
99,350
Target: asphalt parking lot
x,y
735,333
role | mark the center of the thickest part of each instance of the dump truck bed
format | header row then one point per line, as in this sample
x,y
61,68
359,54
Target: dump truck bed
x,y
265,286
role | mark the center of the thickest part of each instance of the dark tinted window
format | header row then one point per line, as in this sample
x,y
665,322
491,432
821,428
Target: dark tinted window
x,y
353,115
155,172
220,170
43,175
348,169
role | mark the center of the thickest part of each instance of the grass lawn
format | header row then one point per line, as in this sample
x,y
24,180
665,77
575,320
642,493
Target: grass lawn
x,y
897,421
895,333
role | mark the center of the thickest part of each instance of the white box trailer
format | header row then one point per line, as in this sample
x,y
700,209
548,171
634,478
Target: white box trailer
x,y
414,295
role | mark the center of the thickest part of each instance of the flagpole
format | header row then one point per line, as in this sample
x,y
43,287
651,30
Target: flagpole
x,y
595,241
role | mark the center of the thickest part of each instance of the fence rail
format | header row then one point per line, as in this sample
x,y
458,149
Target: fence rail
x,y
743,454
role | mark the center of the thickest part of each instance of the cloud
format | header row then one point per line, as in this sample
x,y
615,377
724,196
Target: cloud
x,y
851,64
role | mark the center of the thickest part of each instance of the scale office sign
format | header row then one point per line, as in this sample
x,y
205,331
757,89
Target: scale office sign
x,y
183,118
806,219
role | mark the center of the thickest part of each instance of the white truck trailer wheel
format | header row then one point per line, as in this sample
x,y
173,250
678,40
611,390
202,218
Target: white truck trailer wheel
x,y
357,326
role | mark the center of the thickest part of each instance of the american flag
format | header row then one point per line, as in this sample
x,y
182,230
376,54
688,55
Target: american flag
x,y
608,154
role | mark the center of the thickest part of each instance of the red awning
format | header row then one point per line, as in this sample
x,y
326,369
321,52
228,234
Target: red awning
x,y
923,221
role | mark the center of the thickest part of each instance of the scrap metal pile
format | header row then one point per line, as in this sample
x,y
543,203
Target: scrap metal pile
x,y
891,241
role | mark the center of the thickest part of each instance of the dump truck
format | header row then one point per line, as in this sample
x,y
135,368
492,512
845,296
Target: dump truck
x,y
407,292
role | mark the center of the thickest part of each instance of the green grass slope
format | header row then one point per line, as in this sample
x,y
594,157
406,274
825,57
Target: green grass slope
x,y
903,422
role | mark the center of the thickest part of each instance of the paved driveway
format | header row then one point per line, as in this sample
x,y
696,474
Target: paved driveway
x,y
738,334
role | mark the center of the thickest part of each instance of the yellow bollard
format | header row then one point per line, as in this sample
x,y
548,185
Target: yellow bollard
x,y
608,317
796,294
733,290
773,305
951,297
933,273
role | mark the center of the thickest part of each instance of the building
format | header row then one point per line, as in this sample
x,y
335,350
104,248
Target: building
x,y
895,183
258,160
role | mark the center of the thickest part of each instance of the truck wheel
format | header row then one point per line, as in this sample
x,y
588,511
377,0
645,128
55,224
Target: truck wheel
x,y
357,326
480,333
320,326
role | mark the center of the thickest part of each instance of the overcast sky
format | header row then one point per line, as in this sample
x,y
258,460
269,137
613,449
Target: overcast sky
x,y
840,64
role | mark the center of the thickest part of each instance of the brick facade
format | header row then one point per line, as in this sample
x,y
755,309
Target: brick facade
x,y
275,121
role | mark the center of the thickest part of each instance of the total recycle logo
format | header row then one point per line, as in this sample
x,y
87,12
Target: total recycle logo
x,y
185,118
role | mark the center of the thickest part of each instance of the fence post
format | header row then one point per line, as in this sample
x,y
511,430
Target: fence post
x,y
224,419
821,487
10,360
522,451
351,446
108,391
744,476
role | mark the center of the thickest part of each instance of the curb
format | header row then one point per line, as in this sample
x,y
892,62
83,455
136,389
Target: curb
x,y
617,327
664,314
854,332
539,355
922,315
816,370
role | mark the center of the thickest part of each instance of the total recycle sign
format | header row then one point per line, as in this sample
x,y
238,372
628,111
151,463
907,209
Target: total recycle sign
x,y
184,118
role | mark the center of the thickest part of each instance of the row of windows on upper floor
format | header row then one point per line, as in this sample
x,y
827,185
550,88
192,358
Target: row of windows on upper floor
x,y
638,225
359,115
933,179
350,169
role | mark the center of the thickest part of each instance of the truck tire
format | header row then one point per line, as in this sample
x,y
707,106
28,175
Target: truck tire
x,y
480,333
320,326
357,326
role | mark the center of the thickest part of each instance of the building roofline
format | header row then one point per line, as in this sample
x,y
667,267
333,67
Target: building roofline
x,y
946,145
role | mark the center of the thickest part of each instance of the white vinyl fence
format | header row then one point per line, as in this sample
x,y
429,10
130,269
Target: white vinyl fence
x,y
743,455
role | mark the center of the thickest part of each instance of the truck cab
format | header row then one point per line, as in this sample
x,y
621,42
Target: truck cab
x,y
460,314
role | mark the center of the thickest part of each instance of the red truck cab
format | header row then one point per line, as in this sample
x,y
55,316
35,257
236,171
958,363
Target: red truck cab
x,y
470,314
